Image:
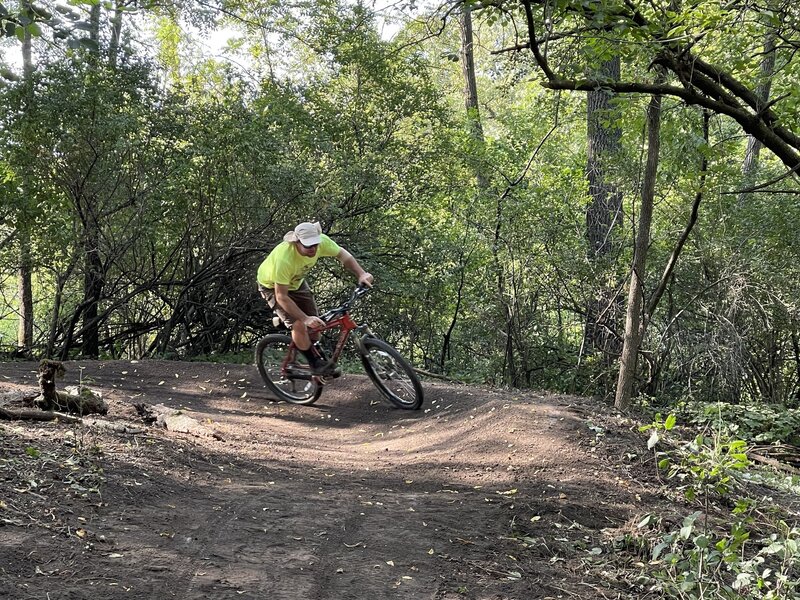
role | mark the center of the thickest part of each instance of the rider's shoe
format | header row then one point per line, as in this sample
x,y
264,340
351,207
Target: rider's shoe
x,y
325,368
319,364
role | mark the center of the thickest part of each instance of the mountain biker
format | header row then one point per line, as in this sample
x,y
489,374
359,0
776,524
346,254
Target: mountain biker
x,y
281,281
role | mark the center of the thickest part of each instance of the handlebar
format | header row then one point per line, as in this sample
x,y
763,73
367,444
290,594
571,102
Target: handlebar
x,y
345,306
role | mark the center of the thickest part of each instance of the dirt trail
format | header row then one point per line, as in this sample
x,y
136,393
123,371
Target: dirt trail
x,y
481,494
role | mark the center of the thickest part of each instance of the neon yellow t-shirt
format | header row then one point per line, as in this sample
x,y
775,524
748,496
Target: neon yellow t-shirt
x,y
286,266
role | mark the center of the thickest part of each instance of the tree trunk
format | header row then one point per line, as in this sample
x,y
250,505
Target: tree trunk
x,y
94,25
25,269
655,298
468,70
634,326
476,132
750,164
604,213
444,355
25,291
116,31
93,265
92,290
61,280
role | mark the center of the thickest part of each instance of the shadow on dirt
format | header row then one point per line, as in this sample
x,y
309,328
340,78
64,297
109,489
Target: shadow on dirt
x,y
482,494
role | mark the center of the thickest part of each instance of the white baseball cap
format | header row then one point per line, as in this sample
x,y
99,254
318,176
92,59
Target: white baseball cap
x,y
307,234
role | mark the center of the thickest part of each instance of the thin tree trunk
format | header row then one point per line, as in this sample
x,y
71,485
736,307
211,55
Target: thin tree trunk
x,y
58,298
93,279
116,31
655,298
25,269
468,70
93,282
25,291
634,329
445,353
767,70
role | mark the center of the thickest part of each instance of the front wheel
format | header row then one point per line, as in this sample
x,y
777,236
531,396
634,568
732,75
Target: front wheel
x,y
285,376
392,375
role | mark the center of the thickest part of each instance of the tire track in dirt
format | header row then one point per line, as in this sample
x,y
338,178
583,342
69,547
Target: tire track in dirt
x,y
482,494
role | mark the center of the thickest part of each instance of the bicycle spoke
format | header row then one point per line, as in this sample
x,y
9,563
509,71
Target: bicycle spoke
x,y
271,355
392,374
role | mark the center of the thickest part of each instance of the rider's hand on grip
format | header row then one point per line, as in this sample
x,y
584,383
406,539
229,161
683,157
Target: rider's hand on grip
x,y
314,322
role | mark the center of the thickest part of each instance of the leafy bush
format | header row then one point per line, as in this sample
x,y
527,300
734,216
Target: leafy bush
x,y
764,424
709,556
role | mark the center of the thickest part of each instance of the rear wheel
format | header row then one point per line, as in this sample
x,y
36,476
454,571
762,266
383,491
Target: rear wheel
x,y
391,373
290,380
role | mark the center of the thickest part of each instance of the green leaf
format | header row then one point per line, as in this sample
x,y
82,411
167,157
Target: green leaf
x,y
670,422
702,541
659,549
774,548
791,546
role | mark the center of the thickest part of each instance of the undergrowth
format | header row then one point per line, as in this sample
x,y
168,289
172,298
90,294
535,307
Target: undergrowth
x,y
731,544
762,423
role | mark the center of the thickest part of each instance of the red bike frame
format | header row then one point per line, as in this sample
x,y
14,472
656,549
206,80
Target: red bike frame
x,y
347,325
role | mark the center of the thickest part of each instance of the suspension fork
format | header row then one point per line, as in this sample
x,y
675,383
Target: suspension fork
x,y
362,331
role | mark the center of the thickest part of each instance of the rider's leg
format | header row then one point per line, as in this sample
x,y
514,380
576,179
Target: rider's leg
x,y
301,336
304,299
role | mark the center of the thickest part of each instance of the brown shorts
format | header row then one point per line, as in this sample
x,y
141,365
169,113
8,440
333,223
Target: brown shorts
x,y
302,296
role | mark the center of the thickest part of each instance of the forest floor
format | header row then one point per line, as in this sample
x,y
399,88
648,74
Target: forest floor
x,y
483,493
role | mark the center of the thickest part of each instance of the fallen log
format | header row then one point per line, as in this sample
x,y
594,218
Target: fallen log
x,y
174,420
36,415
115,426
783,456
782,466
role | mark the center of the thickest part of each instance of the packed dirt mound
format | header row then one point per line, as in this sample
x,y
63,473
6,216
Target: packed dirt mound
x,y
481,494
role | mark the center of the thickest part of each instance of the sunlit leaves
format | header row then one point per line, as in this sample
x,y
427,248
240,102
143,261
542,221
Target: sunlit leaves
x,y
32,19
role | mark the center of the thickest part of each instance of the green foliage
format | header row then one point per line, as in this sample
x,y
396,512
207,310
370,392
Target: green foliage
x,y
29,18
760,424
709,466
695,562
710,558
194,168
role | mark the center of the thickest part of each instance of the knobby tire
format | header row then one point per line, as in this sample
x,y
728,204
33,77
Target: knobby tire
x,y
391,374
270,353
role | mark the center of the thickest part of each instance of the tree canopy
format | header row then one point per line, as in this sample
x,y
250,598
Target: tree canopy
x,y
142,182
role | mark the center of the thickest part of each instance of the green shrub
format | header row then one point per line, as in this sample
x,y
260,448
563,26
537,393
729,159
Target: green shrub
x,y
722,550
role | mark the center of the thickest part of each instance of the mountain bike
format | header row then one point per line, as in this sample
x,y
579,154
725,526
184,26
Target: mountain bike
x,y
286,372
